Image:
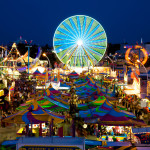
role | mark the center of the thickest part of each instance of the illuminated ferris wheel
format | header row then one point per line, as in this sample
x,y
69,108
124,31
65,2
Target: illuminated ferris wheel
x,y
80,41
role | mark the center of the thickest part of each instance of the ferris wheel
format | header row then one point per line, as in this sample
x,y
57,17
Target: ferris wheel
x,y
80,41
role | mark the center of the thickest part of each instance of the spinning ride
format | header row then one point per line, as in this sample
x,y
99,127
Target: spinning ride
x,y
134,59
80,41
14,62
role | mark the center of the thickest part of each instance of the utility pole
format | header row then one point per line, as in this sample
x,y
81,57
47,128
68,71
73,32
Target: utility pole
x,y
28,56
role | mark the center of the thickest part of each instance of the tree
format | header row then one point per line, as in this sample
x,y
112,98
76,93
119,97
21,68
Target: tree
x,y
112,48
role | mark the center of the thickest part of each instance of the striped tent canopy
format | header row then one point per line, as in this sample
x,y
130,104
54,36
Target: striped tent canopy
x,y
80,81
63,84
116,117
50,102
99,101
37,72
105,111
126,122
58,102
107,115
53,91
96,112
34,114
73,75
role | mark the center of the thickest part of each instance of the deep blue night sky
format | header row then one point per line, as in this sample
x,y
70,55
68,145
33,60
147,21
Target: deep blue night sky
x,y
37,20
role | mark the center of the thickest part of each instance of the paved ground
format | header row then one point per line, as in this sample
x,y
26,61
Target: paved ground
x,y
8,133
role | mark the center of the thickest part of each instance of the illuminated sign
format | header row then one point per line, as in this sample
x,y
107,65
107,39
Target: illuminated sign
x,y
36,125
31,147
128,46
144,138
101,70
1,92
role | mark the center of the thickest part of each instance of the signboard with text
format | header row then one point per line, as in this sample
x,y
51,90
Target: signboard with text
x,y
50,143
32,147
144,138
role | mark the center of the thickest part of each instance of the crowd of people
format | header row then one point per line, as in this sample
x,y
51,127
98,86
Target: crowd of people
x,y
132,104
23,89
19,94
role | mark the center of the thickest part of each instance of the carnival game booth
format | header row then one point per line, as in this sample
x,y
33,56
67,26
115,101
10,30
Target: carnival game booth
x,y
35,130
108,115
116,133
141,135
34,115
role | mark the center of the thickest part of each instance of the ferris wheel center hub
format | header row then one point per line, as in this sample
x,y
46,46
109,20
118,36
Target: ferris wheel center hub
x,y
80,42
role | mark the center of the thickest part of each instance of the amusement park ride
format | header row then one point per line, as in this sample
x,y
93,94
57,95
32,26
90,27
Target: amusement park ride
x,y
134,58
19,62
13,64
79,42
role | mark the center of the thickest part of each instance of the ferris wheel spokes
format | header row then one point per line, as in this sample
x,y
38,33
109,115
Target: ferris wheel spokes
x,y
80,38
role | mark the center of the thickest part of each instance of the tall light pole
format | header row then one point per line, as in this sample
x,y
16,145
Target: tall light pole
x,y
146,74
28,51
28,56
47,59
